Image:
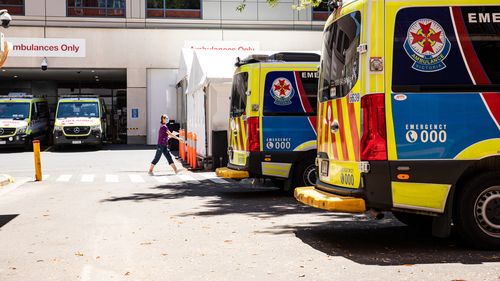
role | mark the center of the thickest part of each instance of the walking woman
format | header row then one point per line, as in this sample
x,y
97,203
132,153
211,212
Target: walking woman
x,y
162,147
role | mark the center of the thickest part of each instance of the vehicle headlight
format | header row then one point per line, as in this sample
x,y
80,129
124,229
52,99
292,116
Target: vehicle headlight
x,y
57,128
96,128
22,130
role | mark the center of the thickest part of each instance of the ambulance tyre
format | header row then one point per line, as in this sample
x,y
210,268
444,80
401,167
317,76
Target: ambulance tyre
x,y
477,211
305,173
420,222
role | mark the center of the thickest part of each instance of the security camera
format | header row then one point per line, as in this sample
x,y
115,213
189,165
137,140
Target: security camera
x,y
5,18
45,64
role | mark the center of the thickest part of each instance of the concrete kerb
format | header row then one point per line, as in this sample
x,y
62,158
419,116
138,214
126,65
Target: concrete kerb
x,y
5,180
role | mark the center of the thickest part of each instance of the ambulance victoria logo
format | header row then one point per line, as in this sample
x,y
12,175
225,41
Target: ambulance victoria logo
x,y
282,91
426,44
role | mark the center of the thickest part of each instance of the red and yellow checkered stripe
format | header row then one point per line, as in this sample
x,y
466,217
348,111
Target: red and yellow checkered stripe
x,y
344,145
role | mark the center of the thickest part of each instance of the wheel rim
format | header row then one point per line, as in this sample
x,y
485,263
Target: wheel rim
x,y
487,211
309,175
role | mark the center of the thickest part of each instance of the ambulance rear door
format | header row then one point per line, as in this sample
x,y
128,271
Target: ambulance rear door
x,y
237,148
339,103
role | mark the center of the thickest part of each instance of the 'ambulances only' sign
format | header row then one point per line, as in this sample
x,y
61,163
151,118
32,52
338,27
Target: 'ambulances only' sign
x,y
47,47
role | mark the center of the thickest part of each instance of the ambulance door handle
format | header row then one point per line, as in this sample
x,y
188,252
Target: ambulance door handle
x,y
335,127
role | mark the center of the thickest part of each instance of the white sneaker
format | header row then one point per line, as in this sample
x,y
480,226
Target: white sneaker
x,y
151,173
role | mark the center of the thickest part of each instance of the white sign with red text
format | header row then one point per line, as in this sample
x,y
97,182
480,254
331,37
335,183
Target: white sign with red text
x,y
223,45
47,47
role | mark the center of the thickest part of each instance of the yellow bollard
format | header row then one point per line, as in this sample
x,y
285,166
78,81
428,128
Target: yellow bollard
x,y
38,162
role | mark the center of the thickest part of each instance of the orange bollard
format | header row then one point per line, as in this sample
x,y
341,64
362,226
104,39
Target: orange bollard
x,y
190,153
38,162
181,144
194,151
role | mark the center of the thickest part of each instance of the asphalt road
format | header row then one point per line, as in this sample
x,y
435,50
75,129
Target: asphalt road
x,y
98,216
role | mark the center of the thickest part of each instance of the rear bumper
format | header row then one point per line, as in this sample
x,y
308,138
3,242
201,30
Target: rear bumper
x,y
316,198
231,174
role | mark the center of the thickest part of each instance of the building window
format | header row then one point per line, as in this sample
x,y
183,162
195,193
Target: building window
x,y
15,7
321,12
173,9
96,8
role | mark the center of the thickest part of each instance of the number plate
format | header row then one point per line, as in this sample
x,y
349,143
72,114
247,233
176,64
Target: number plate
x,y
324,167
76,142
3,142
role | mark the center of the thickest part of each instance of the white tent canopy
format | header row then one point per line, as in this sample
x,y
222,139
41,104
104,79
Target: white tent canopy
x,y
185,64
208,92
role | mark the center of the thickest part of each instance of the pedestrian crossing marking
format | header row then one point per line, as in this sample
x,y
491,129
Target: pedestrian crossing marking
x,y
162,179
136,178
213,178
64,178
168,178
189,179
112,178
87,178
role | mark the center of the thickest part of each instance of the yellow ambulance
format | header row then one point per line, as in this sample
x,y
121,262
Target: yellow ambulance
x,y
272,125
409,115
80,120
23,118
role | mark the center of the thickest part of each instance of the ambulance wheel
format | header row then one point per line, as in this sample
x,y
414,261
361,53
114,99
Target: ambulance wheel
x,y
477,211
305,173
417,221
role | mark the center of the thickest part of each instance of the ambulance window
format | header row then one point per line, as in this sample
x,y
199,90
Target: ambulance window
x,y
290,93
438,49
34,114
340,60
238,94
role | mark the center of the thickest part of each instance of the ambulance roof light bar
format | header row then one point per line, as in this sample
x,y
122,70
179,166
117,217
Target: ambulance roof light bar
x,y
79,96
17,96
279,57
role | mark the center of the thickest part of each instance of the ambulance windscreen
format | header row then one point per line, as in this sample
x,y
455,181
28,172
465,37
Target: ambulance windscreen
x,y
78,109
18,111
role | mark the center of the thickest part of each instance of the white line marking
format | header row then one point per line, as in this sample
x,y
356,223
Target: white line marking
x,y
111,178
189,179
212,177
162,179
136,178
64,178
87,178
218,180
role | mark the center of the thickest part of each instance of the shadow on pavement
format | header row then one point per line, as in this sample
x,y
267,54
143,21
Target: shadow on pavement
x,y
388,242
5,219
232,198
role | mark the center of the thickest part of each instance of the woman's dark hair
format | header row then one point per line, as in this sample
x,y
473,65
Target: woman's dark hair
x,y
161,118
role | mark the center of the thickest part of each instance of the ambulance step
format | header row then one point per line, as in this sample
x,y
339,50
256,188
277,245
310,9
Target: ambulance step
x,y
231,174
330,202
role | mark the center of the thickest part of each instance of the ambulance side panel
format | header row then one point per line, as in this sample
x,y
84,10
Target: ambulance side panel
x,y
288,122
443,102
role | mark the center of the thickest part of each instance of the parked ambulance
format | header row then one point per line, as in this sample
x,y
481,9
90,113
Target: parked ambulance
x,y
80,120
23,118
409,115
272,124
